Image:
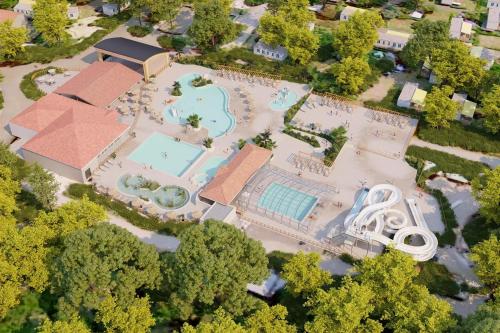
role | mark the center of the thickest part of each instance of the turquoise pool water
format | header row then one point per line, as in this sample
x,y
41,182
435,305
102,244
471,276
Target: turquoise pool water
x,y
209,169
284,100
168,197
210,102
287,201
165,154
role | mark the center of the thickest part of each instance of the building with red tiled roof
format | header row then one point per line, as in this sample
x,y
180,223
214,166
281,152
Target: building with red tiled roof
x,y
18,20
101,83
68,137
230,179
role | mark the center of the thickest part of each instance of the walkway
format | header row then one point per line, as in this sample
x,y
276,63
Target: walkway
x,y
490,160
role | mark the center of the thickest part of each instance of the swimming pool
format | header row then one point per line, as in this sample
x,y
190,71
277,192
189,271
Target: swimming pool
x,y
163,153
210,102
284,99
287,201
209,169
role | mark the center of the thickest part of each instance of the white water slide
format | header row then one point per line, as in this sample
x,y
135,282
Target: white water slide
x,y
377,216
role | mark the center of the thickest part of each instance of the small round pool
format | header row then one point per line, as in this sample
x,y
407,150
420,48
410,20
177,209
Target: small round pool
x,y
283,100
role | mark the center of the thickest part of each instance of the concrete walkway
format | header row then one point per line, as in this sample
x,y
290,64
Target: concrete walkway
x,y
490,160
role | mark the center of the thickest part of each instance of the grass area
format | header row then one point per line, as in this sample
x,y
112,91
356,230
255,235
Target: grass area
x,y
28,85
491,42
46,54
403,25
139,31
174,228
478,230
277,259
8,4
437,279
448,237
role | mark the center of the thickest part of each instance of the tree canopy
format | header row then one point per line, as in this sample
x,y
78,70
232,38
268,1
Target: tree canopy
x,y
50,20
491,109
135,317
43,185
485,256
212,266
351,73
486,190
485,319
13,38
73,325
439,108
303,274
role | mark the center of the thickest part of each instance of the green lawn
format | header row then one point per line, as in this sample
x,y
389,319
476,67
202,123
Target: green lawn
x,y
28,85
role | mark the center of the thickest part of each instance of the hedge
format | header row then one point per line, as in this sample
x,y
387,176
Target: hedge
x,y
448,218
306,138
28,85
1,94
139,31
292,111
174,228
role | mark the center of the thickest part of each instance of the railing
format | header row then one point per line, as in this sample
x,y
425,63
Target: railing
x,y
248,72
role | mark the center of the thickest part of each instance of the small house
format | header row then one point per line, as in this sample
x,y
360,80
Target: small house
x,y
391,39
493,19
485,54
111,9
493,4
453,3
17,19
26,7
348,11
460,29
411,97
466,109
276,53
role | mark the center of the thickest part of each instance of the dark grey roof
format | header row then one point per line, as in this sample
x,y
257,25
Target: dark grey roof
x,y
129,48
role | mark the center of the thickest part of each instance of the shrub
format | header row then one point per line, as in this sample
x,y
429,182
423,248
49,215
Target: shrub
x,y
77,191
447,216
179,43
306,138
200,81
165,42
28,85
292,111
207,142
139,31
194,120
177,89
428,9
348,259
437,279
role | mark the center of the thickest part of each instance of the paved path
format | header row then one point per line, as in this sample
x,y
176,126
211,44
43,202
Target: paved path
x,y
490,160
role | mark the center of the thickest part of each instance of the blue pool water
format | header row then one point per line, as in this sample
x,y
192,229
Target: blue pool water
x,y
210,102
287,201
209,169
165,154
358,204
284,100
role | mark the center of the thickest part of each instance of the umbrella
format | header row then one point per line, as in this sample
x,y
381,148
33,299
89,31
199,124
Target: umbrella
x,y
196,214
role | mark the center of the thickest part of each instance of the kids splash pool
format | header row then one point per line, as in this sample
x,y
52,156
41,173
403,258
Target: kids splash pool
x,y
209,169
210,102
165,154
287,201
283,100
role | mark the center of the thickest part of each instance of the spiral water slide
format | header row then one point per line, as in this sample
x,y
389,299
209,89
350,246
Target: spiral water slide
x,y
377,216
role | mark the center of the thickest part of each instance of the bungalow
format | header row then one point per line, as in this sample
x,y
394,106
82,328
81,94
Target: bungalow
x,y
111,9
493,19
485,54
466,109
412,97
26,7
348,11
391,40
460,29
275,53
17,19
455,3
68,137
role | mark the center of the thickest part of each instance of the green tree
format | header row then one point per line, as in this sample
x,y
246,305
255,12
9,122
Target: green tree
x,y
486,190
136,317
346,309
491,109
9,188
454,66
485,319
264,140
303,274
50,20
43,185
485,256
350,74
288,25
221,323
103,260
356,36
212,25
166,10
439,108
74,325
11,43
427,36
212,267
269,320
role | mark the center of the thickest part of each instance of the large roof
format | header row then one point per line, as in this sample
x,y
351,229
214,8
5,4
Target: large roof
x,y
129,48
230,179
101,83
8,15
42,113
75,133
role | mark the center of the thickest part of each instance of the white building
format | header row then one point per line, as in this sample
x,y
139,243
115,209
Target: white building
x,y
111,9
276,53
391,39
485,54
493,19
460,29
348,11
411,96
493,4
26,7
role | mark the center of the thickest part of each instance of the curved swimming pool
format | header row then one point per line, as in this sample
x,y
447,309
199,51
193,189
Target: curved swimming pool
x,y
210,102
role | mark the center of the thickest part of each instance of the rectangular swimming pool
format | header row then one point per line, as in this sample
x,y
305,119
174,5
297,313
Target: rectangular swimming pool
x,y
165,154
287,201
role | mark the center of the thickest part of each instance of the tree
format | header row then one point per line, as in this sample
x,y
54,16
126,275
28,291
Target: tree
x,y
194,120
287,24
303,274
212,267
427,36
346,309
491,109
439,108
166,10
350,74
269,320
356,36
485,256
212,25
11,43
101,261
486,190
454,66
9,188
43,185
485,319
136,317
50,20
264,140
221,323
74,325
